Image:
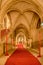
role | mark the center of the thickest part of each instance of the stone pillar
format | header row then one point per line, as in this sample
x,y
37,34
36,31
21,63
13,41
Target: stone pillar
x,y
39,46
6,53
3,48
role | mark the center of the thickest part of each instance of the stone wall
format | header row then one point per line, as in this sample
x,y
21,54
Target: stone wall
x,y
1,49
36,44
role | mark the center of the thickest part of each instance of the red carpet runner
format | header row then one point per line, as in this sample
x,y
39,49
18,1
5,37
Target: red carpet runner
x,y
22,57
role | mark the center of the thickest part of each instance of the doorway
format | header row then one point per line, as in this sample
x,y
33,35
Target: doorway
x,y
21,40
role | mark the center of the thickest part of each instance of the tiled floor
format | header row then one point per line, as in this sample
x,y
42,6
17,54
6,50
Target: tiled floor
x,y
3,59
39,58
36,55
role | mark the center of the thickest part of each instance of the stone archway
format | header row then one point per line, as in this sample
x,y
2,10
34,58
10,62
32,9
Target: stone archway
x,y
15,5
21,39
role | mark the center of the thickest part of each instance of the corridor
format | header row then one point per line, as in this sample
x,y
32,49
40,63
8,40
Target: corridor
x,y
21,32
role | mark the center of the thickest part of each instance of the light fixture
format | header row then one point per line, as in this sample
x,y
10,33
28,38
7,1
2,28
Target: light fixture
x,y
42,24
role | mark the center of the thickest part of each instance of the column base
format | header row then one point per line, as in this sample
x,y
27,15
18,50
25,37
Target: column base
x,y
6,54
39,56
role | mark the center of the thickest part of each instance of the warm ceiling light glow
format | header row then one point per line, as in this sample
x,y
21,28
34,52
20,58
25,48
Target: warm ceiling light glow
x,y
20,39
41,24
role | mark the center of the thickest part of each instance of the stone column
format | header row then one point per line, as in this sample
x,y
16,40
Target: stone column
x,y
6,53
39,44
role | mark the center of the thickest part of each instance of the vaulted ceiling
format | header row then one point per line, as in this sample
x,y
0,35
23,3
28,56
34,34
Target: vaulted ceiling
x,y
24,16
